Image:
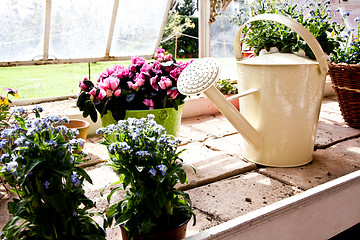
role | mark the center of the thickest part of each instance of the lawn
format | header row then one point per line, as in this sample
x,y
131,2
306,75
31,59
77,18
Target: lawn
x,y
50,80
40,81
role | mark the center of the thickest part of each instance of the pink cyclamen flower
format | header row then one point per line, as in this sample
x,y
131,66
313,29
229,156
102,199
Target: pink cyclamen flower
x,y
101,95
172,93
149,103
111,83
153,82
165,83
145,69
136,86
93,92
137,61
160,50
156,68
175,73
168,57
117,92
82,85
121,71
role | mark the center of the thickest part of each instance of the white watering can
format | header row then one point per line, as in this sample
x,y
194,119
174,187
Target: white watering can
x,y
280,112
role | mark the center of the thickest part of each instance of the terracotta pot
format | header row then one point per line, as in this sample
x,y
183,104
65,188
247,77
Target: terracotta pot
x,y
81,125
176,234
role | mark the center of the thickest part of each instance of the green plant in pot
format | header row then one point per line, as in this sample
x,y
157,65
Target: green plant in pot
x,y
226,86
41,167
344,70
141,86
267,36
149,167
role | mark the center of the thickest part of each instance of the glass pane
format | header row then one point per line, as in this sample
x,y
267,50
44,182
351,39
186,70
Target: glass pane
x,y
21,29
223,32
137,27
79,28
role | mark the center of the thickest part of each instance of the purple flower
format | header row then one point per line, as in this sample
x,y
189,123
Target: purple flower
x,y
46,184
152,171
162,168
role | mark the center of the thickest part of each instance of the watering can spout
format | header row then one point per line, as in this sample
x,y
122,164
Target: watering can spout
x,y
200,76
250,134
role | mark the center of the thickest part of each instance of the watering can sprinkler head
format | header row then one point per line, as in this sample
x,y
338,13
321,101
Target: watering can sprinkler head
x,y
200,76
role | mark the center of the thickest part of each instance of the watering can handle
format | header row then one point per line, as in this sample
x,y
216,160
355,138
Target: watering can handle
x,y
295,26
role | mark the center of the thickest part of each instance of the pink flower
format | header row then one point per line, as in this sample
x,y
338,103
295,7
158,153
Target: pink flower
x,y
101,95
93,92
160,57
117,92
153,83
175,73
160,50
145,69
121,72
111,83
184,65
168,57
165,83
172,93
156,68
82,85
139,81
137,61
149,103
105,74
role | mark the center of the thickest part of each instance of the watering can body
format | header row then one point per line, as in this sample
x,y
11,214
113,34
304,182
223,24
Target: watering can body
x,y
284,110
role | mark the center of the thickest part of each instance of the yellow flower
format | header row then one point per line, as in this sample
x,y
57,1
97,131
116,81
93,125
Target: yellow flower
x,y
1,102
6,101
357,38
332,34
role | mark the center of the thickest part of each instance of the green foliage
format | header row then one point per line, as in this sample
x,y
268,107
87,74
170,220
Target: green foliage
x,y
40,164
187,8
316,17
350,51
176,27
5,115
226,86
145,158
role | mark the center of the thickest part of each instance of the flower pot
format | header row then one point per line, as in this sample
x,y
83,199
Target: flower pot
x,y
81,125
169,118
179,232
346,83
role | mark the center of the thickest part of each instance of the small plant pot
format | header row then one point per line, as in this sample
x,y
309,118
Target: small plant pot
x,y
81,125
177,233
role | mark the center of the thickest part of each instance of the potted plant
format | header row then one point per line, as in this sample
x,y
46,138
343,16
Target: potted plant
x,y
344,70
145,158
265,36
141,86
5,107
5,117
42,169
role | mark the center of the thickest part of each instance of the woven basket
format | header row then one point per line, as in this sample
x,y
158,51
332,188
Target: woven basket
x,y
346,82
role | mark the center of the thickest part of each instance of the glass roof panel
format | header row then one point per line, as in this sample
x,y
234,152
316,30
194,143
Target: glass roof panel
x,y
137,27
21,29
79,28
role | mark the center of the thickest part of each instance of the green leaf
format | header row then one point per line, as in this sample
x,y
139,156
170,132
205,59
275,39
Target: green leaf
x,y
83,173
